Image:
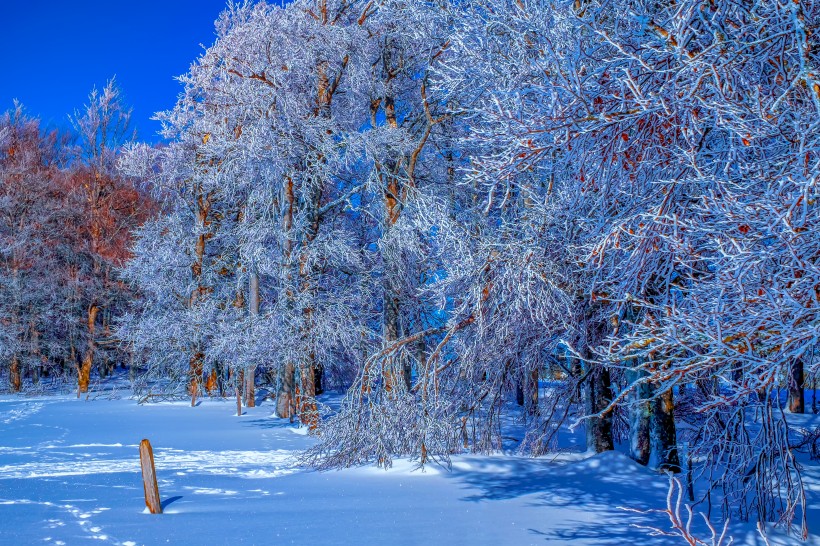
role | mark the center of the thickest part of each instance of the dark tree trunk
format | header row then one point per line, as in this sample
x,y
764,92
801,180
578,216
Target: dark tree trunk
x,y
533,407
318,378
526,392
519,394
665,435
797,402
599,395
640,418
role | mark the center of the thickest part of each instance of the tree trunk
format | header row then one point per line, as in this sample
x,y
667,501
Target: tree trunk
x,y
15,375
533,407
15,378
286,382
640,419
393,205
318,384
797,402
84,375
526,392
599,395
306,390
598,387
211,382
250,372
195,376
35,349
307,394
289,400
285,407
238,402
666,443
250,387
196,361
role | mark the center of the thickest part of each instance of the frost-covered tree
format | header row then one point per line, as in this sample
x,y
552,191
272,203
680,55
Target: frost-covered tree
x,y
674,130
34,191
439,205
498,297
111,208
263,144
65,225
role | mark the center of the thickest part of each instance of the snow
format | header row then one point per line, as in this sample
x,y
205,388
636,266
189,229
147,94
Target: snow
x,y
69,474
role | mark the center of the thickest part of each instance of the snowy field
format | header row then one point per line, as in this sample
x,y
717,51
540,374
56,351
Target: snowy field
x,y
69,474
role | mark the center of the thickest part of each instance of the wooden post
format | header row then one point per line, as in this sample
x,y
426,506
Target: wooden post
x,y
149,478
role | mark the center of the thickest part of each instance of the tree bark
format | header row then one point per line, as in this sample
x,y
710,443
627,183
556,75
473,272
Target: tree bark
x,y
526,392
15,378
306,390
285,407
393,205
250,372
211,383
599,395
640,419
238,402
318,383
533,398
306,394
666,443
286,382
797,401
250,387
289,399
84,373
195,376
197,357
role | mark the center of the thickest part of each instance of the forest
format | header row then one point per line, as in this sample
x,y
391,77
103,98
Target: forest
x,y
459,214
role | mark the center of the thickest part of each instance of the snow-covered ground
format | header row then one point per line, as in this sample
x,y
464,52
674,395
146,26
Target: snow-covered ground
x,y
69,474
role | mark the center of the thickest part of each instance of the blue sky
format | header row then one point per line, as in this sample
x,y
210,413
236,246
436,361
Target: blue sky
x,y
54,52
